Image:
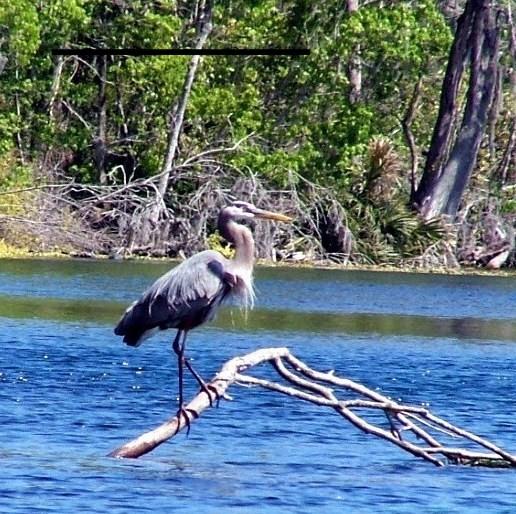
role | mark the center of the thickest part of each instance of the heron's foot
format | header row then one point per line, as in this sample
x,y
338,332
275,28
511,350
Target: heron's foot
x,y
211,392
211,389
188,415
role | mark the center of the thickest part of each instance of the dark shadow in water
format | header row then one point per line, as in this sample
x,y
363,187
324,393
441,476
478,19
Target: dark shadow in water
x,y
107,312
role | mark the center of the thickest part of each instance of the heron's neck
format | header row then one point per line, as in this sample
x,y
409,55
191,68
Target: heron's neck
x,y
242,239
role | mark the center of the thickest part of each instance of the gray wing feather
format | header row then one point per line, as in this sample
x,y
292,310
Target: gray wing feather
x,y
198,277
193,288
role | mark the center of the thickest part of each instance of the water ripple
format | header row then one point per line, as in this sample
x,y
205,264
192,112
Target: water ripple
x,y
70,392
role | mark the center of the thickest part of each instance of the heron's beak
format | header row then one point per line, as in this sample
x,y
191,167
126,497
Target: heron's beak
x,y
269,215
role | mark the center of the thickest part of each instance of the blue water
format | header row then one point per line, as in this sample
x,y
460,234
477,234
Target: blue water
x,y
70,392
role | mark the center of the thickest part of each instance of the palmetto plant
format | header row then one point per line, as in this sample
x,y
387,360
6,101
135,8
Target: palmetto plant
x,y
386,229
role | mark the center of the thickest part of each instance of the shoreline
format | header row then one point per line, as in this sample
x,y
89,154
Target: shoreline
x,y
13,253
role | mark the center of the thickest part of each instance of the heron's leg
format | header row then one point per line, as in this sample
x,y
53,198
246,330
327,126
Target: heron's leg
x,y
179,349
394,430
208,389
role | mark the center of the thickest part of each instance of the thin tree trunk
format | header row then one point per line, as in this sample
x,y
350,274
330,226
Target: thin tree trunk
x,y
99,143
3,62
148,231
204,28
19,139
494,112
355,63
509,157
456,173
512,48
406,124
56,83
447,107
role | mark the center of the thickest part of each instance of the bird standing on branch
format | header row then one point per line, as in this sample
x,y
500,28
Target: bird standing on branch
x,y
191,293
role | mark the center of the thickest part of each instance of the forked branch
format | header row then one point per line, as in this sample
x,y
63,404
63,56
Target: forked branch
x,y
412,428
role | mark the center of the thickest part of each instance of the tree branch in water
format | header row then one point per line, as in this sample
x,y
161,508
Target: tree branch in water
x,y
413,429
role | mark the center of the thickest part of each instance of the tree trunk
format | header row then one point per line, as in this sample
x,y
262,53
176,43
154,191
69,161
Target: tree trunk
x,y
150,227
3,62
512,48
406,124
355,63
506,172
56,83
446,177
447,108
99,143
19,139
204,27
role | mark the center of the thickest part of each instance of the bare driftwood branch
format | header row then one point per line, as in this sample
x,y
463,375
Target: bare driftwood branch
x,y
413,429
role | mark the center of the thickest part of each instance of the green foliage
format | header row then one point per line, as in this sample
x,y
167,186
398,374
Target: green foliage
x,y
217,243
19,22
378,215
7,131
17,177
13,177
297,110
508,201
402,37
60,20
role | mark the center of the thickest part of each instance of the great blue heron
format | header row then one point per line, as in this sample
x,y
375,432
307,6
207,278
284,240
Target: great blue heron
x,y
191,293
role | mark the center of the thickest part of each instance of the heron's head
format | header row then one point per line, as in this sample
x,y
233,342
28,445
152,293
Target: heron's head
x,y
239,210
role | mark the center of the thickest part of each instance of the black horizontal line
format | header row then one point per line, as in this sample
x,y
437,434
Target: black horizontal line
x,y
180,51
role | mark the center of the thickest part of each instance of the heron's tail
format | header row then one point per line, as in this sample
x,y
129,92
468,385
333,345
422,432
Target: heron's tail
x,y
131,337
131,326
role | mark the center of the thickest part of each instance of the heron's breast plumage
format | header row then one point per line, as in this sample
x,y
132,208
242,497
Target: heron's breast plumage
x,y
243,290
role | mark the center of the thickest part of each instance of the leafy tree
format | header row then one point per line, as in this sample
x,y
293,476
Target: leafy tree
x,y
104,121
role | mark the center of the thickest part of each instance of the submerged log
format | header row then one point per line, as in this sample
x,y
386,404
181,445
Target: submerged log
x,y
413,429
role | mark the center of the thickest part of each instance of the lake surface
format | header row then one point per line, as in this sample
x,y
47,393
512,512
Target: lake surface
x,y
70,392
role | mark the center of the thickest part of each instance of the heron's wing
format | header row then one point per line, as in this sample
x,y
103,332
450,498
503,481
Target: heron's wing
x,y
199,277
185,297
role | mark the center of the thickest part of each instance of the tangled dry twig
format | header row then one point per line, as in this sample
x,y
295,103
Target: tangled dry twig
x,y
114,218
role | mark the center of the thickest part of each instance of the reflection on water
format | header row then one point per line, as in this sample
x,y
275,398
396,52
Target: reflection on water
x,y
338,291
475,307
70,392
104,312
